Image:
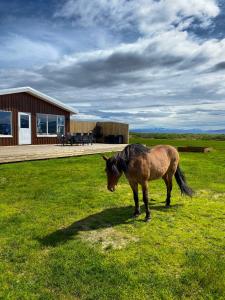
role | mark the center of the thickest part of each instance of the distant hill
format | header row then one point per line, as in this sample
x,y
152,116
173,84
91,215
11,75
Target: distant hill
x,y
171,130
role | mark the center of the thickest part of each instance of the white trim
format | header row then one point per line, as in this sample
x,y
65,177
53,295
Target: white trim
x,y
20,113
5,136
46,135
39,95
57,125
11,118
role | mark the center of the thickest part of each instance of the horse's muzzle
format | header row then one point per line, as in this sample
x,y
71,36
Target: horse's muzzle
x,y
111,189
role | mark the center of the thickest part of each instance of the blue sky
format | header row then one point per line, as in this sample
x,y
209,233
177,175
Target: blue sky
x,y
149,63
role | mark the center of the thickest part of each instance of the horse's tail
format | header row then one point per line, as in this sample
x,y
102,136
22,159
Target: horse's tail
x,y
181,181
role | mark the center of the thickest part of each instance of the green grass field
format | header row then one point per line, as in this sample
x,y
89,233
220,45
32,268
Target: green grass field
x,y
64,236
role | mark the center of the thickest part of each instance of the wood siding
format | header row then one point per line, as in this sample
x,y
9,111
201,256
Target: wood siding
x,y
81,126
108,128
115,128
24,102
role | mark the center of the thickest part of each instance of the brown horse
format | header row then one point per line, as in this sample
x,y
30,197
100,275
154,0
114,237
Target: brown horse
x,y
140,165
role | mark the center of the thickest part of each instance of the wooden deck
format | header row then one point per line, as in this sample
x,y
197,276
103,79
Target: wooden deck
x,y
10,154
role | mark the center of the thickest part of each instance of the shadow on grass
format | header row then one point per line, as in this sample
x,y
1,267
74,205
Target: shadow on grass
x,y
107,218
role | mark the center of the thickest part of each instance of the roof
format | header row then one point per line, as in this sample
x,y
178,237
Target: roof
x,y
39,95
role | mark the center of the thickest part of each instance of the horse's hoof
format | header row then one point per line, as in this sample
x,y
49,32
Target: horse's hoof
x,y
136,214
167,206
147,219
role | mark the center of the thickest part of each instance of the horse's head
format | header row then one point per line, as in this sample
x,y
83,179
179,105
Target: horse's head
x,y
113,172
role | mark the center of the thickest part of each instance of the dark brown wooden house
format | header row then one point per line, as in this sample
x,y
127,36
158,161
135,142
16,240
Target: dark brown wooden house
x,y
30,117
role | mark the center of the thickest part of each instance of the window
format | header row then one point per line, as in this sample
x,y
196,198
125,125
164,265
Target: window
x,y
61,124
24,121
5,123
41,124
50,124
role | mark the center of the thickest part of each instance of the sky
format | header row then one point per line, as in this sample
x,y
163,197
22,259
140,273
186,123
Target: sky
x,y
149,63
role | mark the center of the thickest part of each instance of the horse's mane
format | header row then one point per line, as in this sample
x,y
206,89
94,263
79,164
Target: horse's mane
x,y
133,150
123,158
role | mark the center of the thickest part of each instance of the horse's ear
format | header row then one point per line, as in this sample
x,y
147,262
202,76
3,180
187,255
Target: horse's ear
x,y
104,157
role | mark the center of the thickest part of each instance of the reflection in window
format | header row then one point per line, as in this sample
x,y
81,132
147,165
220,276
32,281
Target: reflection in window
x,y
50,124
24,121
5,123
61,124
41,124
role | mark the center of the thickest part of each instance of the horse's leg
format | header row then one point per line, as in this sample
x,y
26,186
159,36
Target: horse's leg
x,y
145,200
168,182
134,187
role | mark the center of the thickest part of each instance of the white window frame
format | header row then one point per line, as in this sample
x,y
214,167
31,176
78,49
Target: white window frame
x,y
57,125
11,120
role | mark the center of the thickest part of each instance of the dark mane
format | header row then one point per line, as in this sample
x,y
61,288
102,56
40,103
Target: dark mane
x,y
133,150
123,158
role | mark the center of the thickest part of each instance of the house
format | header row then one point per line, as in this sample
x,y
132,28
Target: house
x,y
28,116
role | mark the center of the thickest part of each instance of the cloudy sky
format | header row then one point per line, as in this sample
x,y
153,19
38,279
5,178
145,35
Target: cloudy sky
x,y
151,63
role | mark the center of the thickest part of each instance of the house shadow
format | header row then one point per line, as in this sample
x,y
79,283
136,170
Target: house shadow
x,y
107,218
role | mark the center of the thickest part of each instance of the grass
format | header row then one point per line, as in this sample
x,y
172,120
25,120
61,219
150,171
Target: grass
x,y
63,236
180,136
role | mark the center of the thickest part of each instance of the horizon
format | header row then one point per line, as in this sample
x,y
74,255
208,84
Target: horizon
x,y
177,131
152,64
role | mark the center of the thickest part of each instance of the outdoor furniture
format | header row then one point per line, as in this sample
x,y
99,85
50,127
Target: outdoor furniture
x,y
86,138
69,139
91,138
60,139
77,138
63,139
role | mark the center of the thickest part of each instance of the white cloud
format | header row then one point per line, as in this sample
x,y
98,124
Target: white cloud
x,y
148,16
162,15
165,77
20,51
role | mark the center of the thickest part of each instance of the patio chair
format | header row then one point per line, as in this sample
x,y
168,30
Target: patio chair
x,y
77,138
60,139
91,138
68,139
86,139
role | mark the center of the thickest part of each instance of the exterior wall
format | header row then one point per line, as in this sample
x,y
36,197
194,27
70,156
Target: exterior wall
x,y
115,128
82,127
24,102
108,128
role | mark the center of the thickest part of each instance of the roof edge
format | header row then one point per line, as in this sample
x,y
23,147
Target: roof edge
x,y
40,95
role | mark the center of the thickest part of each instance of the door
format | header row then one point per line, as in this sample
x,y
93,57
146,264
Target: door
x,y
24,120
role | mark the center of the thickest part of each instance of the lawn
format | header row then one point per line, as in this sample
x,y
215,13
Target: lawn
x,y
64,236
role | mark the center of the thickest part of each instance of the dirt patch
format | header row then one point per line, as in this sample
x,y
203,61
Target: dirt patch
x,y
208,194
218,195
3,181
108,238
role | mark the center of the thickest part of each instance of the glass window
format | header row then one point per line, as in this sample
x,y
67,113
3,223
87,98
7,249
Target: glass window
x,y
5,123
61,124
50,124
24,121
41,124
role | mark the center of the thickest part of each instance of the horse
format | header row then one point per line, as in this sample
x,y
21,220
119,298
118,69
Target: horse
x,y
141,164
